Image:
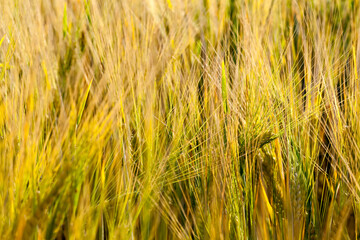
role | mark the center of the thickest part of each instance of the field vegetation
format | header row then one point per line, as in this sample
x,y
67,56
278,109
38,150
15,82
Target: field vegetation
x,y
179,119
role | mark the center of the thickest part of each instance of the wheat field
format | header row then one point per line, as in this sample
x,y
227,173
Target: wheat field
x,y
179,119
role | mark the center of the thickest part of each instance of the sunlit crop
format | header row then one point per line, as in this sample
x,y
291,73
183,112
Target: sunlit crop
x,y
179,119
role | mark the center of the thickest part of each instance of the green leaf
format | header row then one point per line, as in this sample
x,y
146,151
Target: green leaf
x,y
83,102
87,10
65,24
2,39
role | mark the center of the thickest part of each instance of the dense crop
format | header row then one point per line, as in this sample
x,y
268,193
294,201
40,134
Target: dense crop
x,y
179,119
